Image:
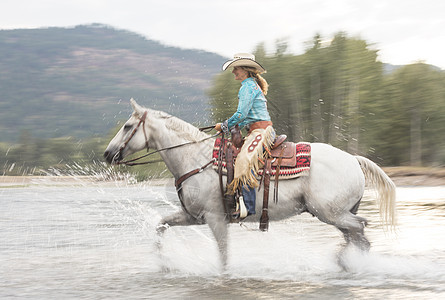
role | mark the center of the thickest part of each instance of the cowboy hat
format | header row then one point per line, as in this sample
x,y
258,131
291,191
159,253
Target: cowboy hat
x,y
243,60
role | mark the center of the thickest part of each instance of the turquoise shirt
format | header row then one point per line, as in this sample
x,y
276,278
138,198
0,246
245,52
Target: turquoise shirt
x,y
252,105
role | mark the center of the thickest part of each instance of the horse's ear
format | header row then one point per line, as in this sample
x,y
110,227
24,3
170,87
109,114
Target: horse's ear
x,y
136,107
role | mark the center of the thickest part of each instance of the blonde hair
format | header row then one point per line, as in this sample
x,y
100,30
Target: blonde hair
x,y
252,72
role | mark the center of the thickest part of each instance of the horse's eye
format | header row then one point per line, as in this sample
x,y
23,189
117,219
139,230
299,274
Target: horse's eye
x,y
127,127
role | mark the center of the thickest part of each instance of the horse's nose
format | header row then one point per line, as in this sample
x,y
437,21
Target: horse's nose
x,y
108,157
113,156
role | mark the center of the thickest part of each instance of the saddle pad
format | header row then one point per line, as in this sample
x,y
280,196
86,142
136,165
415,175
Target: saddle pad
x,y
299,153
301,162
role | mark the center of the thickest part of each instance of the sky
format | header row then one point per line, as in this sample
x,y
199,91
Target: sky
x,y
404,31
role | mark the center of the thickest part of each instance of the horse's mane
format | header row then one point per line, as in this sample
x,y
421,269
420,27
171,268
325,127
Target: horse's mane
x,y
184,129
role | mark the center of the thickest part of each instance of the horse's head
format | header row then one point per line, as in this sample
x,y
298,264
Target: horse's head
x,y
131,138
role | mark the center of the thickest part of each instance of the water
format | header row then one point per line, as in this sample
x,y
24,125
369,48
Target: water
x,y
98,241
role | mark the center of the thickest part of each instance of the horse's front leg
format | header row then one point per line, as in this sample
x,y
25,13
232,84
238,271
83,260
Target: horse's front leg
x,y
180,218
218,225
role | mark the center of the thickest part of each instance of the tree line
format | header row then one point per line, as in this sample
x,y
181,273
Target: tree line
x,y
339,93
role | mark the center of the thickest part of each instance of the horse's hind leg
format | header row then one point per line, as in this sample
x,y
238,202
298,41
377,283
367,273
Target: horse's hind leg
x,y
356,234
352,227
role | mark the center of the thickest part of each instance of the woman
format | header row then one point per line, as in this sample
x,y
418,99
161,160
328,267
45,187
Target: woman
x,y
251,113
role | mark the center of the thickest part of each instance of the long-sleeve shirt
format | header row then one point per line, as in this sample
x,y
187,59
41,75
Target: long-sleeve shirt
x,y
252,105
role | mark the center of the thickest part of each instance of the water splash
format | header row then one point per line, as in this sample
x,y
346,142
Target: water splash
x,y
101,236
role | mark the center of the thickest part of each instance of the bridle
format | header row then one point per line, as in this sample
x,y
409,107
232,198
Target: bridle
x,y
141,121
132,162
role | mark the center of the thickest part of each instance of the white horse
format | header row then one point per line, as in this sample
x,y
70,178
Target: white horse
x,y
332,191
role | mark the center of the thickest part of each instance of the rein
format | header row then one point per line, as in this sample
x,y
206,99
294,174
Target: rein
x,y
132,162
207,129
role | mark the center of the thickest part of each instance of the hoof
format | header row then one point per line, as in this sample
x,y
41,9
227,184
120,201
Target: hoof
x,y
161,228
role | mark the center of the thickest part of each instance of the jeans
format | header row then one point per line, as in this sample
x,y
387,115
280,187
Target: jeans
x,y
249,199
249,193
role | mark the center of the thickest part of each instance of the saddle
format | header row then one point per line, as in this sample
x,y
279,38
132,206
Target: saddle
x,y
295,158
285,160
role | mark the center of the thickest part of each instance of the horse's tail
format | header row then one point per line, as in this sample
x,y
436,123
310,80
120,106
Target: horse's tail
x,y
385,187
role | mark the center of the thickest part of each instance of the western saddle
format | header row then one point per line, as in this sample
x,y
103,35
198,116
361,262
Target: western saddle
x,y
282,153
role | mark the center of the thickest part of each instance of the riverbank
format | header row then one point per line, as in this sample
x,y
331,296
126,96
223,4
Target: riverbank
x,y
402,176
416,176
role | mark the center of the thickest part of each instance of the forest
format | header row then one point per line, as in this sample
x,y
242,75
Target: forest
x,y
339,93
336,92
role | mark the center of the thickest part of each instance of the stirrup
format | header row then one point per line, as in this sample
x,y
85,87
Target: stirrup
x,y
241,210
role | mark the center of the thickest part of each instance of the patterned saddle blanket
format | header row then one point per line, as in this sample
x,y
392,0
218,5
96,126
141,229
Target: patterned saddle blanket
x,y
295,159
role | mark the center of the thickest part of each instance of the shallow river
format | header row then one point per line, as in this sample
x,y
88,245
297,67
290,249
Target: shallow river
x,y
96,241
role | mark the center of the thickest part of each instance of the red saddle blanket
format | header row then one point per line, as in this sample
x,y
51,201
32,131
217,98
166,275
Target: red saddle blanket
x,y
296,159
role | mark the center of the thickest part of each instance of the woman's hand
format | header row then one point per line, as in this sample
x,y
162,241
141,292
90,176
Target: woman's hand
x,y
218,127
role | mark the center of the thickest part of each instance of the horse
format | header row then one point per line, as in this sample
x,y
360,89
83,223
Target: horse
x,y
331,192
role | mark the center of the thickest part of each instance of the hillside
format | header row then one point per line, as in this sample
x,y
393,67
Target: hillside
x,y
77,81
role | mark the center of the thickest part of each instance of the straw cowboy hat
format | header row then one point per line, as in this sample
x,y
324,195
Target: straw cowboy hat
x,y
243,60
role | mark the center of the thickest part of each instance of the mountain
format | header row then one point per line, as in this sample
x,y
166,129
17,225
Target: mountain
x,y
77,81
